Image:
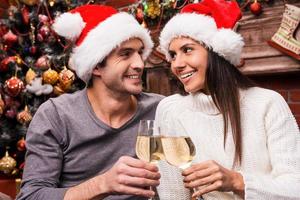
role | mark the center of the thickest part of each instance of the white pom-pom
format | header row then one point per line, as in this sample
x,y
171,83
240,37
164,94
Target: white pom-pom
x,y
69,25
228,44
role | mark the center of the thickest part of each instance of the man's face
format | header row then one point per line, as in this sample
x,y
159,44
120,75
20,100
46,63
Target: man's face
x,y
123,68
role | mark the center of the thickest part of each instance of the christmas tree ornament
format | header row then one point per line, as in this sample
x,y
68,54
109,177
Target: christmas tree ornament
x,y
44,31
3,29
7,164
30,75
19,60
30,2
6,63
43,62
51,3
66,78
287,37
25,15
21,145
24,117
57,90
13,86
139,15
32,50
10,38
2,106
50,76
44,19
36,87
256,8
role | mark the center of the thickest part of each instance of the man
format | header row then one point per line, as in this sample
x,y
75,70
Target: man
x,y
82,145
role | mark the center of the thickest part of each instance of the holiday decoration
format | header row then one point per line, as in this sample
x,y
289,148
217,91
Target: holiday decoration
x,y
43,62
50,77
256,8
7,164
287,38
24,117
28,48
6,62
21,145
10,38
13,86
30,75
36,87
66,78
2,106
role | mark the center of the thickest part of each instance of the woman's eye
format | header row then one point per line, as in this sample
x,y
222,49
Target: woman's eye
x,y
187,49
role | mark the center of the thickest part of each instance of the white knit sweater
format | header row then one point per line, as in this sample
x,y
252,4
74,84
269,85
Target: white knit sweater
x,y
270,137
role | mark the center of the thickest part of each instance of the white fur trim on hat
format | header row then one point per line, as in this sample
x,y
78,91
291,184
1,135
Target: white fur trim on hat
x,y
203,29
69,25
105,37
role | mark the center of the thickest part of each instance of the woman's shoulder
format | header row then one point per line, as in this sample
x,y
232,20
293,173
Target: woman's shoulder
x,y
261,95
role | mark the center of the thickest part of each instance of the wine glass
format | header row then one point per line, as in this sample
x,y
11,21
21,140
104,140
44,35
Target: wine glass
x,y
148,144
179,149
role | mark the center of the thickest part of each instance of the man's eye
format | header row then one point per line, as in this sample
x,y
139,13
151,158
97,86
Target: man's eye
x,y
172,55
125,53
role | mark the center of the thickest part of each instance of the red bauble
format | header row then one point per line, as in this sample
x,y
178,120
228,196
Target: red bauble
x,y
43,62
21,145
25,15
256,8
5,62
10,38
13,86
44,31
33,50
43,19
3,29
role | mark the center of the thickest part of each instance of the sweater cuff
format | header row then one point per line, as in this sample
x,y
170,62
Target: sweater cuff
x,y
250,185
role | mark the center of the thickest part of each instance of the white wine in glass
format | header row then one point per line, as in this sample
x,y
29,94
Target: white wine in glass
x,y
148,144
179,151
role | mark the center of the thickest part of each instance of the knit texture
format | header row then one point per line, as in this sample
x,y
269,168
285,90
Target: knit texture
x,y
271,144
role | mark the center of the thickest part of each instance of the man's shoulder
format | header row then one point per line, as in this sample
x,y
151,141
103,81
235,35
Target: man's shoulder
x,y
150,98
63,102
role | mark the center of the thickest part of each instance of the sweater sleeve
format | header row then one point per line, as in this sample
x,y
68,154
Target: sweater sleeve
x,y
283,143
43,163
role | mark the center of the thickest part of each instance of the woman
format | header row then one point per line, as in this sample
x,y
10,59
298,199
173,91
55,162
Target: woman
x,y
246,138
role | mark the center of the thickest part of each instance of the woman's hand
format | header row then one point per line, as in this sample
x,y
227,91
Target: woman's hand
x,y
209,176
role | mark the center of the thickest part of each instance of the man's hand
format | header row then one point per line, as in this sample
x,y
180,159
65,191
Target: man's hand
x,y
127,176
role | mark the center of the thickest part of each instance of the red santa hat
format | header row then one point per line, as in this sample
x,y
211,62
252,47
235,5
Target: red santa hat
x,y
96,31
209,22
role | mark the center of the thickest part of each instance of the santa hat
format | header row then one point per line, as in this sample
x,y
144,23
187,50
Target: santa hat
x,y
96,31
209,22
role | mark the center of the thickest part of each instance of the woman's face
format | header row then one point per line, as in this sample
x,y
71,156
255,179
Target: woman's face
x,y
189,63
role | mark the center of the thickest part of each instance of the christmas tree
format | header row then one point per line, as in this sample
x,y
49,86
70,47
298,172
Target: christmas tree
x,y
33,68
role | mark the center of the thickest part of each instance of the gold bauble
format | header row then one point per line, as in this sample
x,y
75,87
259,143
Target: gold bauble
x,y
30,2
57,90
2,105
50,77
24,117
30,75
7,164
66,78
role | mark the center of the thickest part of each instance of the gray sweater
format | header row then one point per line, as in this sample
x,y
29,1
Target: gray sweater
x,y
67,144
